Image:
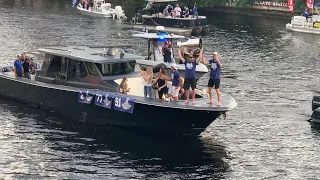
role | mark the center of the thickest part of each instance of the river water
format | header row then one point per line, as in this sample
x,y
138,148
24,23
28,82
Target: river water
x,y
271,73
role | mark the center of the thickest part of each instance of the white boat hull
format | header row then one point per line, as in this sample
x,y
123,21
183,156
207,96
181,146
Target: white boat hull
x,y
301,24
109,14
302,29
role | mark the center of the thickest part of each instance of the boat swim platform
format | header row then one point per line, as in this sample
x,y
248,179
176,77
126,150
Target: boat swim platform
x,y
166,29
227,102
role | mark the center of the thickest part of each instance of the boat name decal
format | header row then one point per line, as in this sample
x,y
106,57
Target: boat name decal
x,y
85,96
107,100
123,104
103,100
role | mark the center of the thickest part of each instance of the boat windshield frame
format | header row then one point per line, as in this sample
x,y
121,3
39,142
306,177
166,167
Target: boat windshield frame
x,y
107,69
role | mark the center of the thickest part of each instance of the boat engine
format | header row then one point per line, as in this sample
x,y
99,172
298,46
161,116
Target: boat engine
x,y
315,102
119,12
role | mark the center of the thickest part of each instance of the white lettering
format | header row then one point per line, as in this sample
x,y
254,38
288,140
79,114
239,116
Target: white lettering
x,y
117,102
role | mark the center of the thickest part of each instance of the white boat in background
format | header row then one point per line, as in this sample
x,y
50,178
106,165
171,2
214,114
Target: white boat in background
x,y
311,24
302,24
102,9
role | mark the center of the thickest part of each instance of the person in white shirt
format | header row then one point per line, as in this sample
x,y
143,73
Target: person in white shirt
x,y
178,11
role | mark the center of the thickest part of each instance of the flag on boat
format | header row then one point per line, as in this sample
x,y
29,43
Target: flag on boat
x,y
74,2
291,5
310,4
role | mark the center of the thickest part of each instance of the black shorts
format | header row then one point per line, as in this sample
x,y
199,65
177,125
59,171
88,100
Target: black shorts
x,y
215,83
189,82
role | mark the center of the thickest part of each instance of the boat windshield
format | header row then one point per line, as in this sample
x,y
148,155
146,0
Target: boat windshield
x,y
111,69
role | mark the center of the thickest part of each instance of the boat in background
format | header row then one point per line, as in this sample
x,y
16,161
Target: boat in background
x,y
154,56
153,17
102,9
82,83
304,24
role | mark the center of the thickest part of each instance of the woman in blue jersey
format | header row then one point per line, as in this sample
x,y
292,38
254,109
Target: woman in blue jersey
x,y
190,60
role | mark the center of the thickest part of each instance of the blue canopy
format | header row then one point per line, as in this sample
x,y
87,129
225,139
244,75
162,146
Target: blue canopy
x,y
317,4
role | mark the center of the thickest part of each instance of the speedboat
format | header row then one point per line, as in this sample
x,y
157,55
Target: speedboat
x,y
151,16
82,83
302,24
154,56
102,9
305,25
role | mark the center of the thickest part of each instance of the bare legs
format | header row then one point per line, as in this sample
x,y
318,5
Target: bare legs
x,y
187,96
210,95
218,96
193,96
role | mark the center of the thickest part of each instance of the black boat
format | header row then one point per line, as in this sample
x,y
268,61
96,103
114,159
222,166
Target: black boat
x,y
151,16
82,82
315,117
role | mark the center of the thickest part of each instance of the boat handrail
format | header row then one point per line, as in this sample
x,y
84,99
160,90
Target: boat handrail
x,y
111,46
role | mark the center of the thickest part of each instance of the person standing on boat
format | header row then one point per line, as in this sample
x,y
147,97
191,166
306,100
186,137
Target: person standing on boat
x,y
186,12
176,83
306,13
161,82
166,12
147,78
215,76
190,62
195,11
178,11
166,52
26,67
17,67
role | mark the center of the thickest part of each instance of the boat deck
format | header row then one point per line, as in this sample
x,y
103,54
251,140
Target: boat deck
x,y
227,101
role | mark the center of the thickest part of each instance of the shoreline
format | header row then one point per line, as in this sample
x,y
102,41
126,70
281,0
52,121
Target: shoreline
x,y
251,12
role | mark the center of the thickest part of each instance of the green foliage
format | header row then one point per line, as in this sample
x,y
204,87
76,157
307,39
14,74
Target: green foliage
x,y
299,4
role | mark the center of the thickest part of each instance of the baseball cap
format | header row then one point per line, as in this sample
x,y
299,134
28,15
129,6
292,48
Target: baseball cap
x,y
215,53
174,66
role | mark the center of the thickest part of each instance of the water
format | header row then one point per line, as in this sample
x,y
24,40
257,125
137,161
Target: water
x,y
272,74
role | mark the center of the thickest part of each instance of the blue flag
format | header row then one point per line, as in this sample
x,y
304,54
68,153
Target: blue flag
x,y
74,2
124,104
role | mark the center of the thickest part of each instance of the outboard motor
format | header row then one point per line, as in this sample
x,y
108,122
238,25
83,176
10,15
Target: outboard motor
x,y
316,109
119,12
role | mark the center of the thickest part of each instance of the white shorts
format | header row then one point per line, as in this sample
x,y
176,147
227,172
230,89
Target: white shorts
x,y
173,91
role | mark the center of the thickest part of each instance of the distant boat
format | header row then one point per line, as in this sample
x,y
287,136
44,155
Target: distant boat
x,y
102,9
306,25
152,16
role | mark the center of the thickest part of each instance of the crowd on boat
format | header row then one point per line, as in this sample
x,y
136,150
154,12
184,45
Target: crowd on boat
x,y
86,4
23,66
157,85
177,12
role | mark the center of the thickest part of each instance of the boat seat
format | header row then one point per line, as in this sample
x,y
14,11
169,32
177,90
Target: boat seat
x,y
45,79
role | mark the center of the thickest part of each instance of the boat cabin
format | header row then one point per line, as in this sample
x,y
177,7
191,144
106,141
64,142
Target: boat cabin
x,y
91,67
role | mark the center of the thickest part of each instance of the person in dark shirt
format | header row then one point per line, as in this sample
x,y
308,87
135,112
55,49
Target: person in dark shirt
x,y
32,67
215,76
190,61
166,52
176,83
26,67
17,67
